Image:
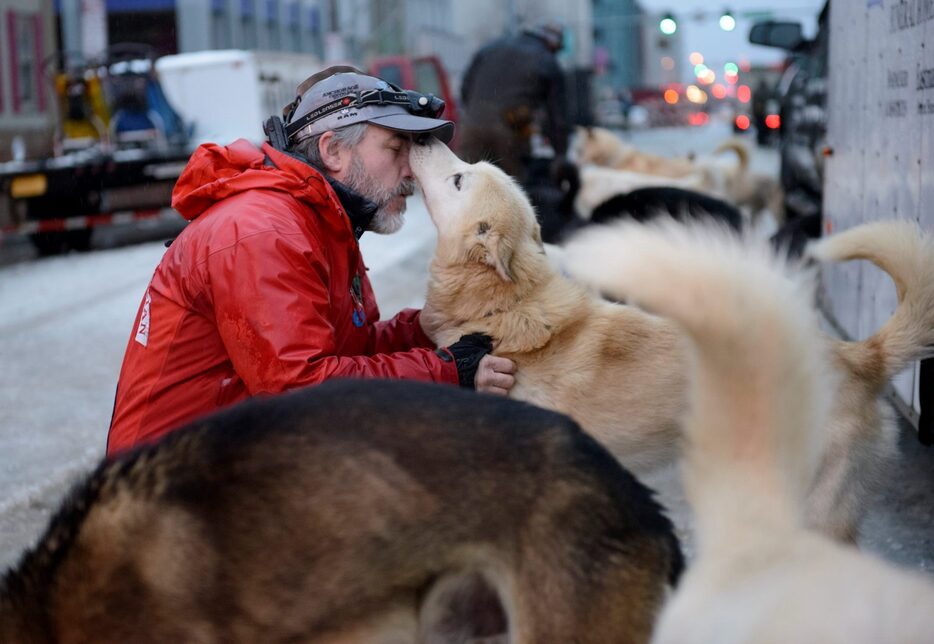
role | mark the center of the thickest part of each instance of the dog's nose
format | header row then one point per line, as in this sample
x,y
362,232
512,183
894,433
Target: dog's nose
x,y
418,152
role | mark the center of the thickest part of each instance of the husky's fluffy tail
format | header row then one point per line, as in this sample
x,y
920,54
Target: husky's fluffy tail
x,y
739,149
900,249
760,381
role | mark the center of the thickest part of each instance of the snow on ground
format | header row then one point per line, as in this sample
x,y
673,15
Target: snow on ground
x,y
64,325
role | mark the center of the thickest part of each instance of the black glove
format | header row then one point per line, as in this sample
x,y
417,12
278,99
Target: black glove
x,y
467,353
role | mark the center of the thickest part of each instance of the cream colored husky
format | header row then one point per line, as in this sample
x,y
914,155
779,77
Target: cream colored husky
x,y
619,371
764,388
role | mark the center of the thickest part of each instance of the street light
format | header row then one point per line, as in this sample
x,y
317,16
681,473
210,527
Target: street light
x,y
668,25
727,21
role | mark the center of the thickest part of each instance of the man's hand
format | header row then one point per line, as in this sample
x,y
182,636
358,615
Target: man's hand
x,y
495,375
479,370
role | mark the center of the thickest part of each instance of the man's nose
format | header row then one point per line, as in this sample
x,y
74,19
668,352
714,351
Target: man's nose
x,y
406,168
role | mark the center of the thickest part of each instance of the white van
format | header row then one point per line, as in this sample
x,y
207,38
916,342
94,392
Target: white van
x,y
227,94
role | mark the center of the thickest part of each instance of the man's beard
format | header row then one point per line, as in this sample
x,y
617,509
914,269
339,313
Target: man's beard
x,y
384,221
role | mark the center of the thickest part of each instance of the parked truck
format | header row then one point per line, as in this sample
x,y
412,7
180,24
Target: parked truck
x,y
857,141
126,124
118,147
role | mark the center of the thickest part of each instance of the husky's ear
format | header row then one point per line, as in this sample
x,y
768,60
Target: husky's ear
x,y
499,256
491,249
537,235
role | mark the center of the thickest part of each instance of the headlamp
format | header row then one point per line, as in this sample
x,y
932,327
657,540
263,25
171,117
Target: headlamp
x,y
340,96
427,105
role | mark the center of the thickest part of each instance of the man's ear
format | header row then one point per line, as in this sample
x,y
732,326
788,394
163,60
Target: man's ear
x,y
331,154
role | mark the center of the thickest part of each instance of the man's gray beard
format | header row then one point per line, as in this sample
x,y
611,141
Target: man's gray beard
x,y
384,222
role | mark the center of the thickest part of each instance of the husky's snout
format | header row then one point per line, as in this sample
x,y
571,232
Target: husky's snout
x,y
431,157
432,163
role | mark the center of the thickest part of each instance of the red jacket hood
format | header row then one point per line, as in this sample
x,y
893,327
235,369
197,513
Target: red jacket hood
x,y
215,172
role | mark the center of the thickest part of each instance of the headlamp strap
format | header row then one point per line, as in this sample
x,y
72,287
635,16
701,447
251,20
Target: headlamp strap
x,y
357,101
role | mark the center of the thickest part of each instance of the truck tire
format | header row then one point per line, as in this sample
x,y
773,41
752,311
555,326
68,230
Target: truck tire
x,y
61,241
79,240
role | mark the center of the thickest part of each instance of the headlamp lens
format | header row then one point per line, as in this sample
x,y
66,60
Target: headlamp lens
x,y
427,105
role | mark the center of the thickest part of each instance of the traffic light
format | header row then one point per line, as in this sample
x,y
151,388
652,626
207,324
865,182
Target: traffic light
x,y
727,21
668,25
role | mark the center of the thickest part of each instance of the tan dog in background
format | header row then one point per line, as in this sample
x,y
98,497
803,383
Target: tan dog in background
x,y
599,146
763,384
619,371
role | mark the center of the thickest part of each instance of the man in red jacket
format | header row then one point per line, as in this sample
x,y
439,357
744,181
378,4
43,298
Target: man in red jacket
x,y
265,289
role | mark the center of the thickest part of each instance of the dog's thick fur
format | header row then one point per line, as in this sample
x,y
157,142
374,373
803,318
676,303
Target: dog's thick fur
x,y
621,372
762,388
354,511
614,368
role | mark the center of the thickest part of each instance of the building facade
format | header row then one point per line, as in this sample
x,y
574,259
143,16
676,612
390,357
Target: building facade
x,y
27,40
617,36
274,25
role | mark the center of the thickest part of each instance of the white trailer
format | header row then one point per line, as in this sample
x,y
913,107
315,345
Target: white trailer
x,y
228,94
880,155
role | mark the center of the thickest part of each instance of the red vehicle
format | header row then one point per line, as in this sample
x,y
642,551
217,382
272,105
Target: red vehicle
x,y
425,74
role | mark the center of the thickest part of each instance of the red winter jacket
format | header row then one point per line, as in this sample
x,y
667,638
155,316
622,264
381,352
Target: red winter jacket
x,y
263,291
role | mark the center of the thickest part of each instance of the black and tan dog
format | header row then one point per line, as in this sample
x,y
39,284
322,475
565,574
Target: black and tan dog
x,y
353,512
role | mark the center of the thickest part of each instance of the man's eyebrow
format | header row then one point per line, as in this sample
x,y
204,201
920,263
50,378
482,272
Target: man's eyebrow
x,y
398,138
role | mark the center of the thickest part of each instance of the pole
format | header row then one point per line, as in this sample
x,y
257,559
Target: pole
x,y
513,19
93,27
71,25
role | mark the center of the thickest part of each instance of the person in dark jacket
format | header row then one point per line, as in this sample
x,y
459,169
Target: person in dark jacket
x,y
265,290
512,85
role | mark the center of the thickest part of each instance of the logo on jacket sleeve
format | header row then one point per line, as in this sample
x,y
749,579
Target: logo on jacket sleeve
x,y
142,331
356,293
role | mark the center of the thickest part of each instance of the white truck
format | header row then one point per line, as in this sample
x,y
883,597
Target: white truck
x,y
227,94
863,117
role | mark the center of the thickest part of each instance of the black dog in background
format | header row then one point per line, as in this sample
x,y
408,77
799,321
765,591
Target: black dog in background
x,y
644,204
796,233
553,185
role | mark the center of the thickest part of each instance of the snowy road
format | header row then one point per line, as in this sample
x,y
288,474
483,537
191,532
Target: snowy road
x,y
64,323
